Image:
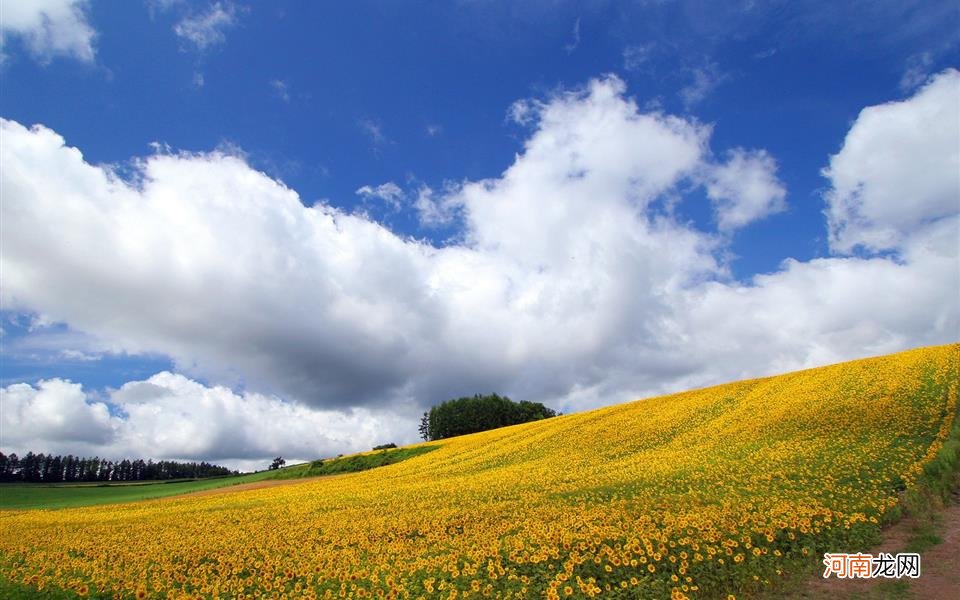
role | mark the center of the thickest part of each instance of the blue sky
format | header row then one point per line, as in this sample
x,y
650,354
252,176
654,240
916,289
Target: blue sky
x,y
330,97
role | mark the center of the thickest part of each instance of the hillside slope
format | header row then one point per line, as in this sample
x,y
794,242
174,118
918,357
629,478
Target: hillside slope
x,y
697,494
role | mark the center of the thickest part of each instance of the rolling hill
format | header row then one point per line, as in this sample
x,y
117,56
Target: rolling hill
x,y
707,493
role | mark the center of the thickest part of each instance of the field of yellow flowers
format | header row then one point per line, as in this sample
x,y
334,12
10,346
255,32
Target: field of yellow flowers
x,y
699,494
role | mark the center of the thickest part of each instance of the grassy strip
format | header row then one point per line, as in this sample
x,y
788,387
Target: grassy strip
x,y
24,496
939,479
351,464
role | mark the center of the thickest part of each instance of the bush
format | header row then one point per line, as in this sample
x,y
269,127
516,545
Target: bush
x,y
385,446
471,414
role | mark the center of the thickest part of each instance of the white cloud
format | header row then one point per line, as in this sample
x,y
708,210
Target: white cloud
x,y
55,410
281,88
637,57
162,5
207,29
765,54
374,131
388,192
171,416
826,310
78,356
567,284
434,211
704,79
745,189
574,38
898,170
583,182
917,72
523,111
49,28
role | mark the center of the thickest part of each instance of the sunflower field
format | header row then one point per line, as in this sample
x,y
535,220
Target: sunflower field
x,y
711,493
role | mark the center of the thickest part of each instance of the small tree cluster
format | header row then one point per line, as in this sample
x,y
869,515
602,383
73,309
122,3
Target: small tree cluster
x,y
471,414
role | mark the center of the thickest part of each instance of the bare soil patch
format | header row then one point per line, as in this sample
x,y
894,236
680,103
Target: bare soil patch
x,y
940,566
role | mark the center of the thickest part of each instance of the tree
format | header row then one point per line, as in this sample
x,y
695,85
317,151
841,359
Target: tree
x,y
425,426
471,414
277,463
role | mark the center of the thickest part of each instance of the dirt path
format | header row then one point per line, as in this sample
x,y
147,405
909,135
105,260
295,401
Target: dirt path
x,y
939,566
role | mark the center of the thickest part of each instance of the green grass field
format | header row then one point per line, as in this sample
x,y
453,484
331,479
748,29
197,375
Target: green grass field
x,y
34,496
28,496
352,463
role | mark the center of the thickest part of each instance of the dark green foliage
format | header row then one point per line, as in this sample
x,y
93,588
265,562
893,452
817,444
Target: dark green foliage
x,y
277,463
471,414
13,590
47,468
385,446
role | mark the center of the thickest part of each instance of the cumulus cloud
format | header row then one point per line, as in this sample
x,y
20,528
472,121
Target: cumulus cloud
x,y
171,416
567,282
745,189
49,28
583,182
898,171
55,410
205,30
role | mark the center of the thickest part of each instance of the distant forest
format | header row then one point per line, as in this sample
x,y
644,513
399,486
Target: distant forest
x,y
47,468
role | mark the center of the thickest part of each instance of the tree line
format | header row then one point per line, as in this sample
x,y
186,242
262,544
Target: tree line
x,y
471,414
49,468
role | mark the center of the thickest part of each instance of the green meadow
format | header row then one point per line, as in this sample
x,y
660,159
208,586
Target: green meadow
x,y
27,496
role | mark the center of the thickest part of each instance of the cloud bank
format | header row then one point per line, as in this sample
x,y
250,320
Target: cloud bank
x,y
171,416
571,282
